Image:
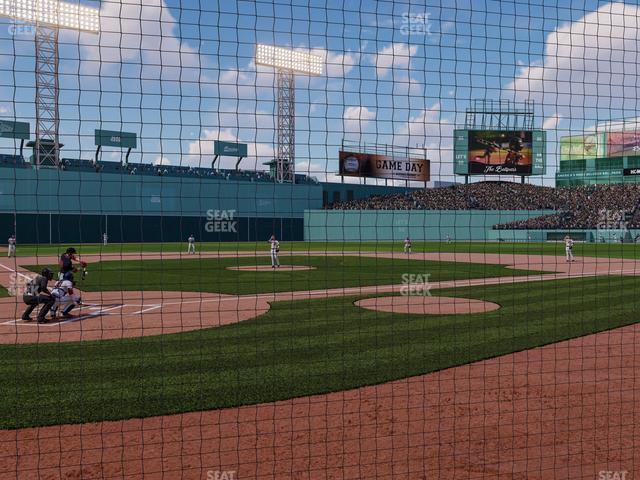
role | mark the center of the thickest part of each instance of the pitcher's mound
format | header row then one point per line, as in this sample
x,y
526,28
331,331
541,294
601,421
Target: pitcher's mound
x,y
268,268
426,305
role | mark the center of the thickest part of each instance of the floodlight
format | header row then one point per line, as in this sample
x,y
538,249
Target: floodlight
x,y
52,12
291,60
49,16
287,63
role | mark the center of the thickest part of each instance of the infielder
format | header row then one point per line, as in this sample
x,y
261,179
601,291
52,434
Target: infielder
x,y
65,298
568,248
191,245
275,248
407,245
11,247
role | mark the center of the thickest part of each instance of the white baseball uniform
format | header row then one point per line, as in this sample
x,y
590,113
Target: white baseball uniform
x,y
105,239
191,247
407,246
11,248
568,248
275,247
66,300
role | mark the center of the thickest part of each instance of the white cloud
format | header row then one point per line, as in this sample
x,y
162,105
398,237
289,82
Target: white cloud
x,y
435,133
396,56
337,65
200,152
139,32
552,122
162,161
588,64
356,120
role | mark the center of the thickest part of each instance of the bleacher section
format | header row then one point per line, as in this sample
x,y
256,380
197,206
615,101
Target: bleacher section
x,y
75,165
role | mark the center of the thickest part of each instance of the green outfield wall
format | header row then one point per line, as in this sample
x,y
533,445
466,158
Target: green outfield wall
x,y
395,225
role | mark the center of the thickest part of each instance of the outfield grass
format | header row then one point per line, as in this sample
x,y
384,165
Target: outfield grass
x,y
612,250
298,348
3,292
212,275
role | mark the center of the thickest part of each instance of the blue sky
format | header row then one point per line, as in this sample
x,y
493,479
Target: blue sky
x,y
180,74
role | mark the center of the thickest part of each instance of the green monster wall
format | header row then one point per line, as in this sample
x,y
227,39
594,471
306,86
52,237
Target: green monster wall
x,y
395,225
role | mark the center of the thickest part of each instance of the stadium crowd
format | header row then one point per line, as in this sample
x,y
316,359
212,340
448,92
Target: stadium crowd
x,y
593,206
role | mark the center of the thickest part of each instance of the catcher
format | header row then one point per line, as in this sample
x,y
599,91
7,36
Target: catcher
x,y
65,299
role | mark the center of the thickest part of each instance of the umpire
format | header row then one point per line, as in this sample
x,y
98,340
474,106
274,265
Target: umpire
x,y
38,294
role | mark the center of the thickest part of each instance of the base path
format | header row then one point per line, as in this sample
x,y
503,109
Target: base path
x,y
568,410
564,411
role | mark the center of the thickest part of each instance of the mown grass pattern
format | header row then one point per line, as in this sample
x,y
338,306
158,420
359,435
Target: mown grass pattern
x,y
298,348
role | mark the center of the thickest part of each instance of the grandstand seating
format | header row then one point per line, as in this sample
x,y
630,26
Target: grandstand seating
x,y
70,164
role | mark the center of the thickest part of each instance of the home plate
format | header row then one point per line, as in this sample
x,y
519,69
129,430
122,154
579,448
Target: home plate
x,y
269,268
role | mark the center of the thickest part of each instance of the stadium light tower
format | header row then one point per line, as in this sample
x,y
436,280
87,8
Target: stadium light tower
x,y
49,16
287,64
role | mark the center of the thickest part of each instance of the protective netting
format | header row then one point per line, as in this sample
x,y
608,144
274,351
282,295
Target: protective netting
x,y
319,239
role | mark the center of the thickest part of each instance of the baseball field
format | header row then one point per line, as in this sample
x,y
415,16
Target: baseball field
x,y
459,352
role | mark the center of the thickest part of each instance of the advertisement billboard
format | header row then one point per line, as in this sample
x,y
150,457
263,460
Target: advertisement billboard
x,y
112,138
354,164
623,144
500,152
581,147
18,130
229,149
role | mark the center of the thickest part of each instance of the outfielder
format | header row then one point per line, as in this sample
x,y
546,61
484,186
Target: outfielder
x,y
275,249
65,298
568,248
11,247
407,245
191,247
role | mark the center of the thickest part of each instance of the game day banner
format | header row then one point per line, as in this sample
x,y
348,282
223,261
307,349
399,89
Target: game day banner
x,y
382,166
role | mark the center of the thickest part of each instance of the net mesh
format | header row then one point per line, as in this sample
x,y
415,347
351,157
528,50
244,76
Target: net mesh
x,y
319,239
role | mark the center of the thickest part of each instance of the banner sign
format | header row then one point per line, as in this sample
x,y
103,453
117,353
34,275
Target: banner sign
x,y
110,138
623,144
229,149
581,147
353,164
20,130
